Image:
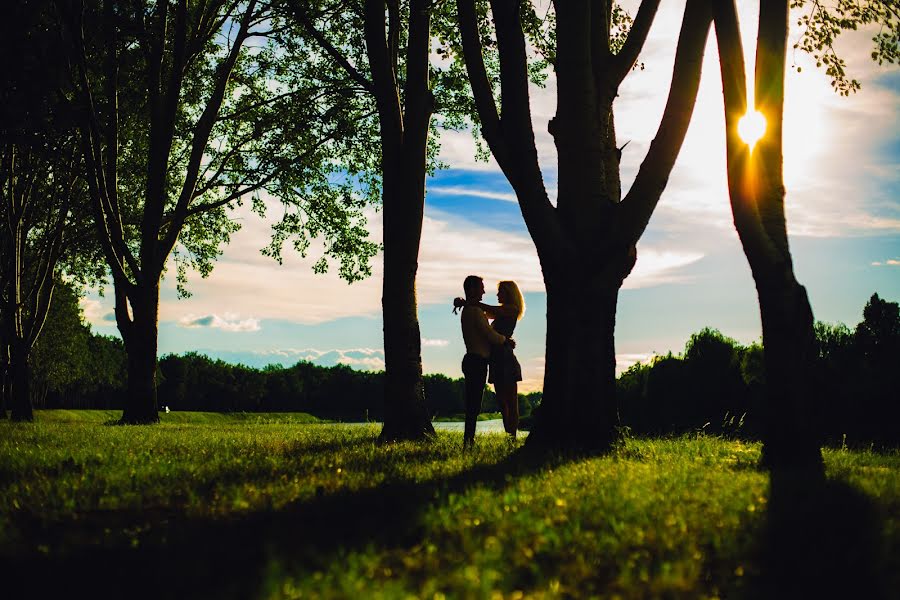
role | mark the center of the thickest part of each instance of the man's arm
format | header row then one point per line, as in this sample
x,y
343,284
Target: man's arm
x,y
489,332
491,311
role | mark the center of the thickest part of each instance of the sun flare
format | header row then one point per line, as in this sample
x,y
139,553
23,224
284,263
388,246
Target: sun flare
x,y
751,127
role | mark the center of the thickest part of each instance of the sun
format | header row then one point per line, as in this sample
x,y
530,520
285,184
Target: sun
x,y
751,127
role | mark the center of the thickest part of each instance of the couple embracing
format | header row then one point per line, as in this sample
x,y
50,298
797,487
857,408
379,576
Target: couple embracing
x,y
490,348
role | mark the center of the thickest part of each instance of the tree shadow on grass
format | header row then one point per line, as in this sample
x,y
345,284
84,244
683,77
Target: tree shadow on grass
x,y
183,556
822,538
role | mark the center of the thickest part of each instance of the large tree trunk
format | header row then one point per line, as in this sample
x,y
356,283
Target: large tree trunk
x,y
20,401
578,412
5,383
586,242
405,413
140,337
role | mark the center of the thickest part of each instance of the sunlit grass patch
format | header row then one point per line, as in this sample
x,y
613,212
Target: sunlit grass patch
x,y
287,510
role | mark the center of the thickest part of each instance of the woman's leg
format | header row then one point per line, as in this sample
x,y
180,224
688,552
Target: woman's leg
x,y
508,400
512,407
498,394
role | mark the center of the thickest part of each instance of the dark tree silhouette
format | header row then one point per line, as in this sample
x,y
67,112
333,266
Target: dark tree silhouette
x,y
586,243
45,229
756,188
383,48
180,119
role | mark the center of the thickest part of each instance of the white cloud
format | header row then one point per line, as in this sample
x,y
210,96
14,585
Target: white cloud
x,y
891,262
474,192
655,267
93,310
429,343
229,322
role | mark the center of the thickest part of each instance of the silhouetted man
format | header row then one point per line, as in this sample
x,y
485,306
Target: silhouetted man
x,y
479,336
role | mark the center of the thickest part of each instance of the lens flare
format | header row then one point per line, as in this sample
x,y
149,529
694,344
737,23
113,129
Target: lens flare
x,y
751,127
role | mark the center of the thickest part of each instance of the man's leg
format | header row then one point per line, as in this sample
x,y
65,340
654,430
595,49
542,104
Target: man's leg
x,y
475,372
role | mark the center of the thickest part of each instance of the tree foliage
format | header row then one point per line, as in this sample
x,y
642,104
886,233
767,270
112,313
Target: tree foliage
x,y
821,23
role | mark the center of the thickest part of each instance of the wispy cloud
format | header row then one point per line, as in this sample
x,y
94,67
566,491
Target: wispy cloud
x,y
429,343
458,190
227,323
891,262
656,267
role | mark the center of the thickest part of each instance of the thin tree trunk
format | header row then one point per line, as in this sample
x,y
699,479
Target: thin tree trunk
x,y
756,189
790,438
140,337
20,401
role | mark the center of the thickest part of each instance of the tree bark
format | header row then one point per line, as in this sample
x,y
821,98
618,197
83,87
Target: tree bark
x,y
405,413
140,334
579,411
5,383
586,243
756,189
404,140
20,401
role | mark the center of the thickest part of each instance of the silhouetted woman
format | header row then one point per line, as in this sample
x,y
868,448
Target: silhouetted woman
x,y
505,371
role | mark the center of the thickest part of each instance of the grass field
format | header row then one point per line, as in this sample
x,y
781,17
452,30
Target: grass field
x,y
232,506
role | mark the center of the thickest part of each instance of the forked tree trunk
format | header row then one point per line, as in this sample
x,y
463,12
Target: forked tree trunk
x,y
756,189
140,336
586,242
404,141
20,400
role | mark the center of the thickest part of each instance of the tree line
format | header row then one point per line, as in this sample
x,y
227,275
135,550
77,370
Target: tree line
x,y
133,130
719,386
716,385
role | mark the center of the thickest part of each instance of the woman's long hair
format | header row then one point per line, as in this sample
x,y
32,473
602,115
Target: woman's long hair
x,y
513,296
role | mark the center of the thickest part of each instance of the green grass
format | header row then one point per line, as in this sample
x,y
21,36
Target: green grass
x,y
229,506
180,417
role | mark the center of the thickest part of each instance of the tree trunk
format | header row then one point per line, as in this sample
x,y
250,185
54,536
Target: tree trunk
x,y
404,142
756,189
405,413
578,412
20,401
140,337
5,382
789,435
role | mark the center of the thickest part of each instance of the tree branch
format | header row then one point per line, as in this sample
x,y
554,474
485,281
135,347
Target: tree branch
x,y
482,91
634,43
383,76
641,200
329,48
744,208
201,138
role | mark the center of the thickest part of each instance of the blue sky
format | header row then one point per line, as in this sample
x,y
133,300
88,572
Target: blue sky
x,y
842,173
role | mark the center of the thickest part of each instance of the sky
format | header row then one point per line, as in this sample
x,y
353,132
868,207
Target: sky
x,y
842,174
